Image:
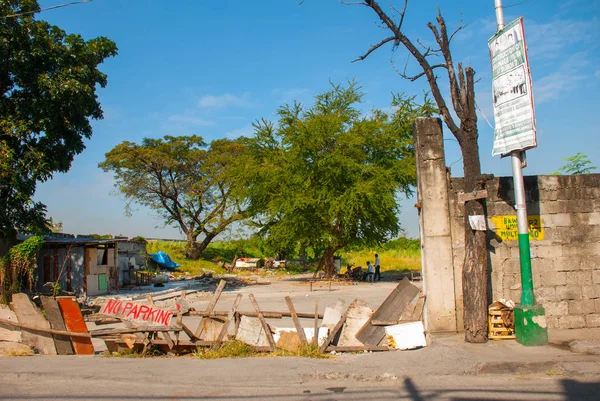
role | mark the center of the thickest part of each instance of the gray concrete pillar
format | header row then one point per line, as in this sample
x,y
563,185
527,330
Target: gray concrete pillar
x,y
434,220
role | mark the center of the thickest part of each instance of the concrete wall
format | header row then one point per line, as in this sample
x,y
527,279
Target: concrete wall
x,y
565,252
434,220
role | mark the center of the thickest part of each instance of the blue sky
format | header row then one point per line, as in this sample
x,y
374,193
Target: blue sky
x,y
213,67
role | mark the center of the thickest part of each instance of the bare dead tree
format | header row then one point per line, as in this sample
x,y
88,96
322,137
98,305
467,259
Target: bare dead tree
x,y
464,129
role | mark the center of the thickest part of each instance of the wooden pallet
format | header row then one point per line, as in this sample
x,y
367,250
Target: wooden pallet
x,y
497,330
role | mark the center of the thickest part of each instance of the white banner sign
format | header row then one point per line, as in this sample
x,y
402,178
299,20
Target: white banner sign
x,y
511,90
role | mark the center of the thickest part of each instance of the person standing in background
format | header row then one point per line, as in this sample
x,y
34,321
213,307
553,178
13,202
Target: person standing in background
x,y
377,275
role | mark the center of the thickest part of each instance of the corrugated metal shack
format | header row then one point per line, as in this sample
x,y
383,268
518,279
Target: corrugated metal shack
x,y
88,266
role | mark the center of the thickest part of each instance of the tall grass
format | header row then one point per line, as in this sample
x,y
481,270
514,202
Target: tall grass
x,y
400,254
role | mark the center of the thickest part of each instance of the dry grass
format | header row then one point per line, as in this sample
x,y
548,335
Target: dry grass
x,y
238,349
17,352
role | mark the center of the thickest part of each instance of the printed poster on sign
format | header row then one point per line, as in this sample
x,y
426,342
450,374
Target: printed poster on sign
x,y
511,90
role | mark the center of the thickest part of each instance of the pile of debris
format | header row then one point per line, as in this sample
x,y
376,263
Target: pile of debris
x,y
396,324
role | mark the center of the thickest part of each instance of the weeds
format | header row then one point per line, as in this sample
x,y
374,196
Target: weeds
x,y
229,349
238,349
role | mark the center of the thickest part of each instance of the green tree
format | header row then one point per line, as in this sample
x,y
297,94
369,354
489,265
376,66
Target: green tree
x,y
48,83
579,163
190,185
328,177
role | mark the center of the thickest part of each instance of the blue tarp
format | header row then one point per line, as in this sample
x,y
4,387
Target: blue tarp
x,y
163,260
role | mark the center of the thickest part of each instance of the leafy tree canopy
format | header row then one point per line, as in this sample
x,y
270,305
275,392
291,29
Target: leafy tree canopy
x,y
48,82
192,186
327,176
579,163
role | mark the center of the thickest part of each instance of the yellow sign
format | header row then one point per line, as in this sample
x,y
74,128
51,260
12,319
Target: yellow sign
x,y
506,227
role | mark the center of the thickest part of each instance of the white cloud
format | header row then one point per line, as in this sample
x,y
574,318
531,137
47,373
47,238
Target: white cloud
x,y
552,40
246,131
191,120
567,77
223,101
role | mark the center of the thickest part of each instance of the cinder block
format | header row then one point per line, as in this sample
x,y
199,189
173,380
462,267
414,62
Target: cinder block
x,y
567,263
571,322
552,278
557,220
582,205
596,276
590,291
545,294
592,320
552,322
546,196
594,218
548,182
590,263
556,308
545,251
580,277
582,307
568,292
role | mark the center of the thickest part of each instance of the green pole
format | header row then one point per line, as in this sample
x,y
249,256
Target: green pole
x,y
530,318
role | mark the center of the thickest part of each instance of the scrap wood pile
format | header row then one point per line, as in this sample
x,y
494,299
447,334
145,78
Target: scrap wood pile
x,y
143,325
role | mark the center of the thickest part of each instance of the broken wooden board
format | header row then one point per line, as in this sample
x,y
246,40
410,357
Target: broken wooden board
x,y
74,322
62,343
7,334
391,309
211,307
230,317
263,322
359,312
210,329
299,329
333,332
28,314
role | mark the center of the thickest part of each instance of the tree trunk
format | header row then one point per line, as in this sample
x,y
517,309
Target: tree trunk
x,y
193,253
329,264
475,269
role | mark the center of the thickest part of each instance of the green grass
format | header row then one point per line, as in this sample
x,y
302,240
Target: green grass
x,y
398,255
391,260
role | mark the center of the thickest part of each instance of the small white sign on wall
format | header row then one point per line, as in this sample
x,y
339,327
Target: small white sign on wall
x,y
478,223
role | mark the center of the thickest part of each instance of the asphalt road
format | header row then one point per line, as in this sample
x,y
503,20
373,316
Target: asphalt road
x,y
103,378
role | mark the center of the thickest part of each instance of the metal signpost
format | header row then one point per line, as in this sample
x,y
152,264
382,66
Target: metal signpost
x,y
515,132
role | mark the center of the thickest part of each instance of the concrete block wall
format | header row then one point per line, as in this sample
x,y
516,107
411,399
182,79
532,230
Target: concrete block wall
x,y
565,263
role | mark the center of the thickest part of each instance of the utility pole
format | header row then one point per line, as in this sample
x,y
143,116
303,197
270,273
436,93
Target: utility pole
x,y
530,318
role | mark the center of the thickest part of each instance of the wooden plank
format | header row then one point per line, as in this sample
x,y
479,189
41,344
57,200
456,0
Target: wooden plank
x,y
13,325
391,309
299,328
225,327
150,300
62,343
467,196
263,322
418,313
316,332
74,322
334,331
29,315
168,339
128,330
266,314
384,322
211,307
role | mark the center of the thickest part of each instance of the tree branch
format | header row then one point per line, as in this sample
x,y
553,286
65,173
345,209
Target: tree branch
x,y
374,47
428,71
